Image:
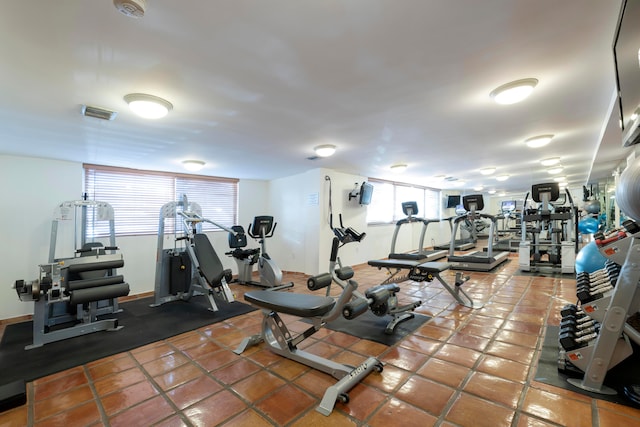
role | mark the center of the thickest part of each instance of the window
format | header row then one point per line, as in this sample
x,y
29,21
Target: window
x,y
386,203
137,196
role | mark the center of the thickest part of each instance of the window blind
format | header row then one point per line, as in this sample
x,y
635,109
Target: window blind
x,y
137,196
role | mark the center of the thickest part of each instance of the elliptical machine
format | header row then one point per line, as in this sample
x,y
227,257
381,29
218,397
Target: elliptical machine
x,y
261,229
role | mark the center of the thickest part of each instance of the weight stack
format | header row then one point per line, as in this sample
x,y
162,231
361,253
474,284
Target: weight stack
x,y
179,273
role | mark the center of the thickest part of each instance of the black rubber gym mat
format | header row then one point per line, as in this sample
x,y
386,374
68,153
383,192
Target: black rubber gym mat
x,y
371,327
142,325
625,373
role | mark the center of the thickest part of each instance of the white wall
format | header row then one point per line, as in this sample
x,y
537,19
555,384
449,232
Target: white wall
x,y
31,188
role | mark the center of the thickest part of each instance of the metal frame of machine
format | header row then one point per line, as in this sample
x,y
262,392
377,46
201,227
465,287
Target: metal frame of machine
x,y
193,268
558,223
72,292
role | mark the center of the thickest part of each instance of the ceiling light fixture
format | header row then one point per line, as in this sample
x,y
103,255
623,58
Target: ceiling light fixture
x,y
555,170
538,141
513,92
492,191
550,161
325,150
478,188
399,167
502,177
560,178
193,165
148,106
487,171
131,8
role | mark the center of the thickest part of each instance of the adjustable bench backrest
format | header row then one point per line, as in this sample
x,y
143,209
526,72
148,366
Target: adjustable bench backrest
x,y
210,264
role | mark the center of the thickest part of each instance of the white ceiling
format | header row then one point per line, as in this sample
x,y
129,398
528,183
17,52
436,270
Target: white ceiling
x,y
256,84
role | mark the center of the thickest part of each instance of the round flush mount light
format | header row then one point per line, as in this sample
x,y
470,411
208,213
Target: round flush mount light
x,y
487,171
513,92
148,106
193,165
502,177
538,141
555,170
550,161
398,167
325,150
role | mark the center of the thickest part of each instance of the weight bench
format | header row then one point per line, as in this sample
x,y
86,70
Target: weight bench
x,y
425,272
320,310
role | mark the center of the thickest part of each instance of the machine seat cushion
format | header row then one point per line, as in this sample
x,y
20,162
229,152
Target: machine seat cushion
x,y
302,305
393,263
434,267
244,253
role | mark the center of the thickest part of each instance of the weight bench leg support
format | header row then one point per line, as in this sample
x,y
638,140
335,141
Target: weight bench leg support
x,y
279,340
458,293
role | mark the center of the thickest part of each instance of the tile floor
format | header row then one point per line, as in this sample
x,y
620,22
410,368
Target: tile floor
x,y
464,367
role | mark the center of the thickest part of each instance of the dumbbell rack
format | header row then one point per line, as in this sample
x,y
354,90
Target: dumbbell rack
x,y
612,308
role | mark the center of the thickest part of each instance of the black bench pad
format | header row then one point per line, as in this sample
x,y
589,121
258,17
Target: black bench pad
x,y
434,267
301,305
393,263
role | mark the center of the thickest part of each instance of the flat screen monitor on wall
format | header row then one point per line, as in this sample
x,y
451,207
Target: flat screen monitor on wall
x,y
366,192
452,201
626,53
508,206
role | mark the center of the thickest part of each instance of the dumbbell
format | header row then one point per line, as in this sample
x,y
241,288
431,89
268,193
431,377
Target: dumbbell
x,y
571,309
603,272
583,322
587,297
592,283
569,341
581,332
585,292
602,287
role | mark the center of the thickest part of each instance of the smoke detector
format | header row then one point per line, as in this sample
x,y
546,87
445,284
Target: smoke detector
x,y
131,8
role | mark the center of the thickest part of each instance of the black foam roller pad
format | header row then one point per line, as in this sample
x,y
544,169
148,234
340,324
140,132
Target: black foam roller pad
x,y
318,282
82,296
92,283
13,395
92,266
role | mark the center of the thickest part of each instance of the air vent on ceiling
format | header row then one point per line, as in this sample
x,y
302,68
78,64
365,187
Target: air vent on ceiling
x,y
98,113
313,158
131,8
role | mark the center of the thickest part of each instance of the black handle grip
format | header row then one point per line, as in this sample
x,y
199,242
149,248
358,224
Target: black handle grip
x,y
334,249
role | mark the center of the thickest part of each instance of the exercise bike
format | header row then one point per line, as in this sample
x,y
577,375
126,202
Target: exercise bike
x,y
270,274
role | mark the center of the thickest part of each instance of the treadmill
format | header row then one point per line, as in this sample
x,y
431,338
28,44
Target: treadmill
x,y
462,244
423,255
509,243
476,260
